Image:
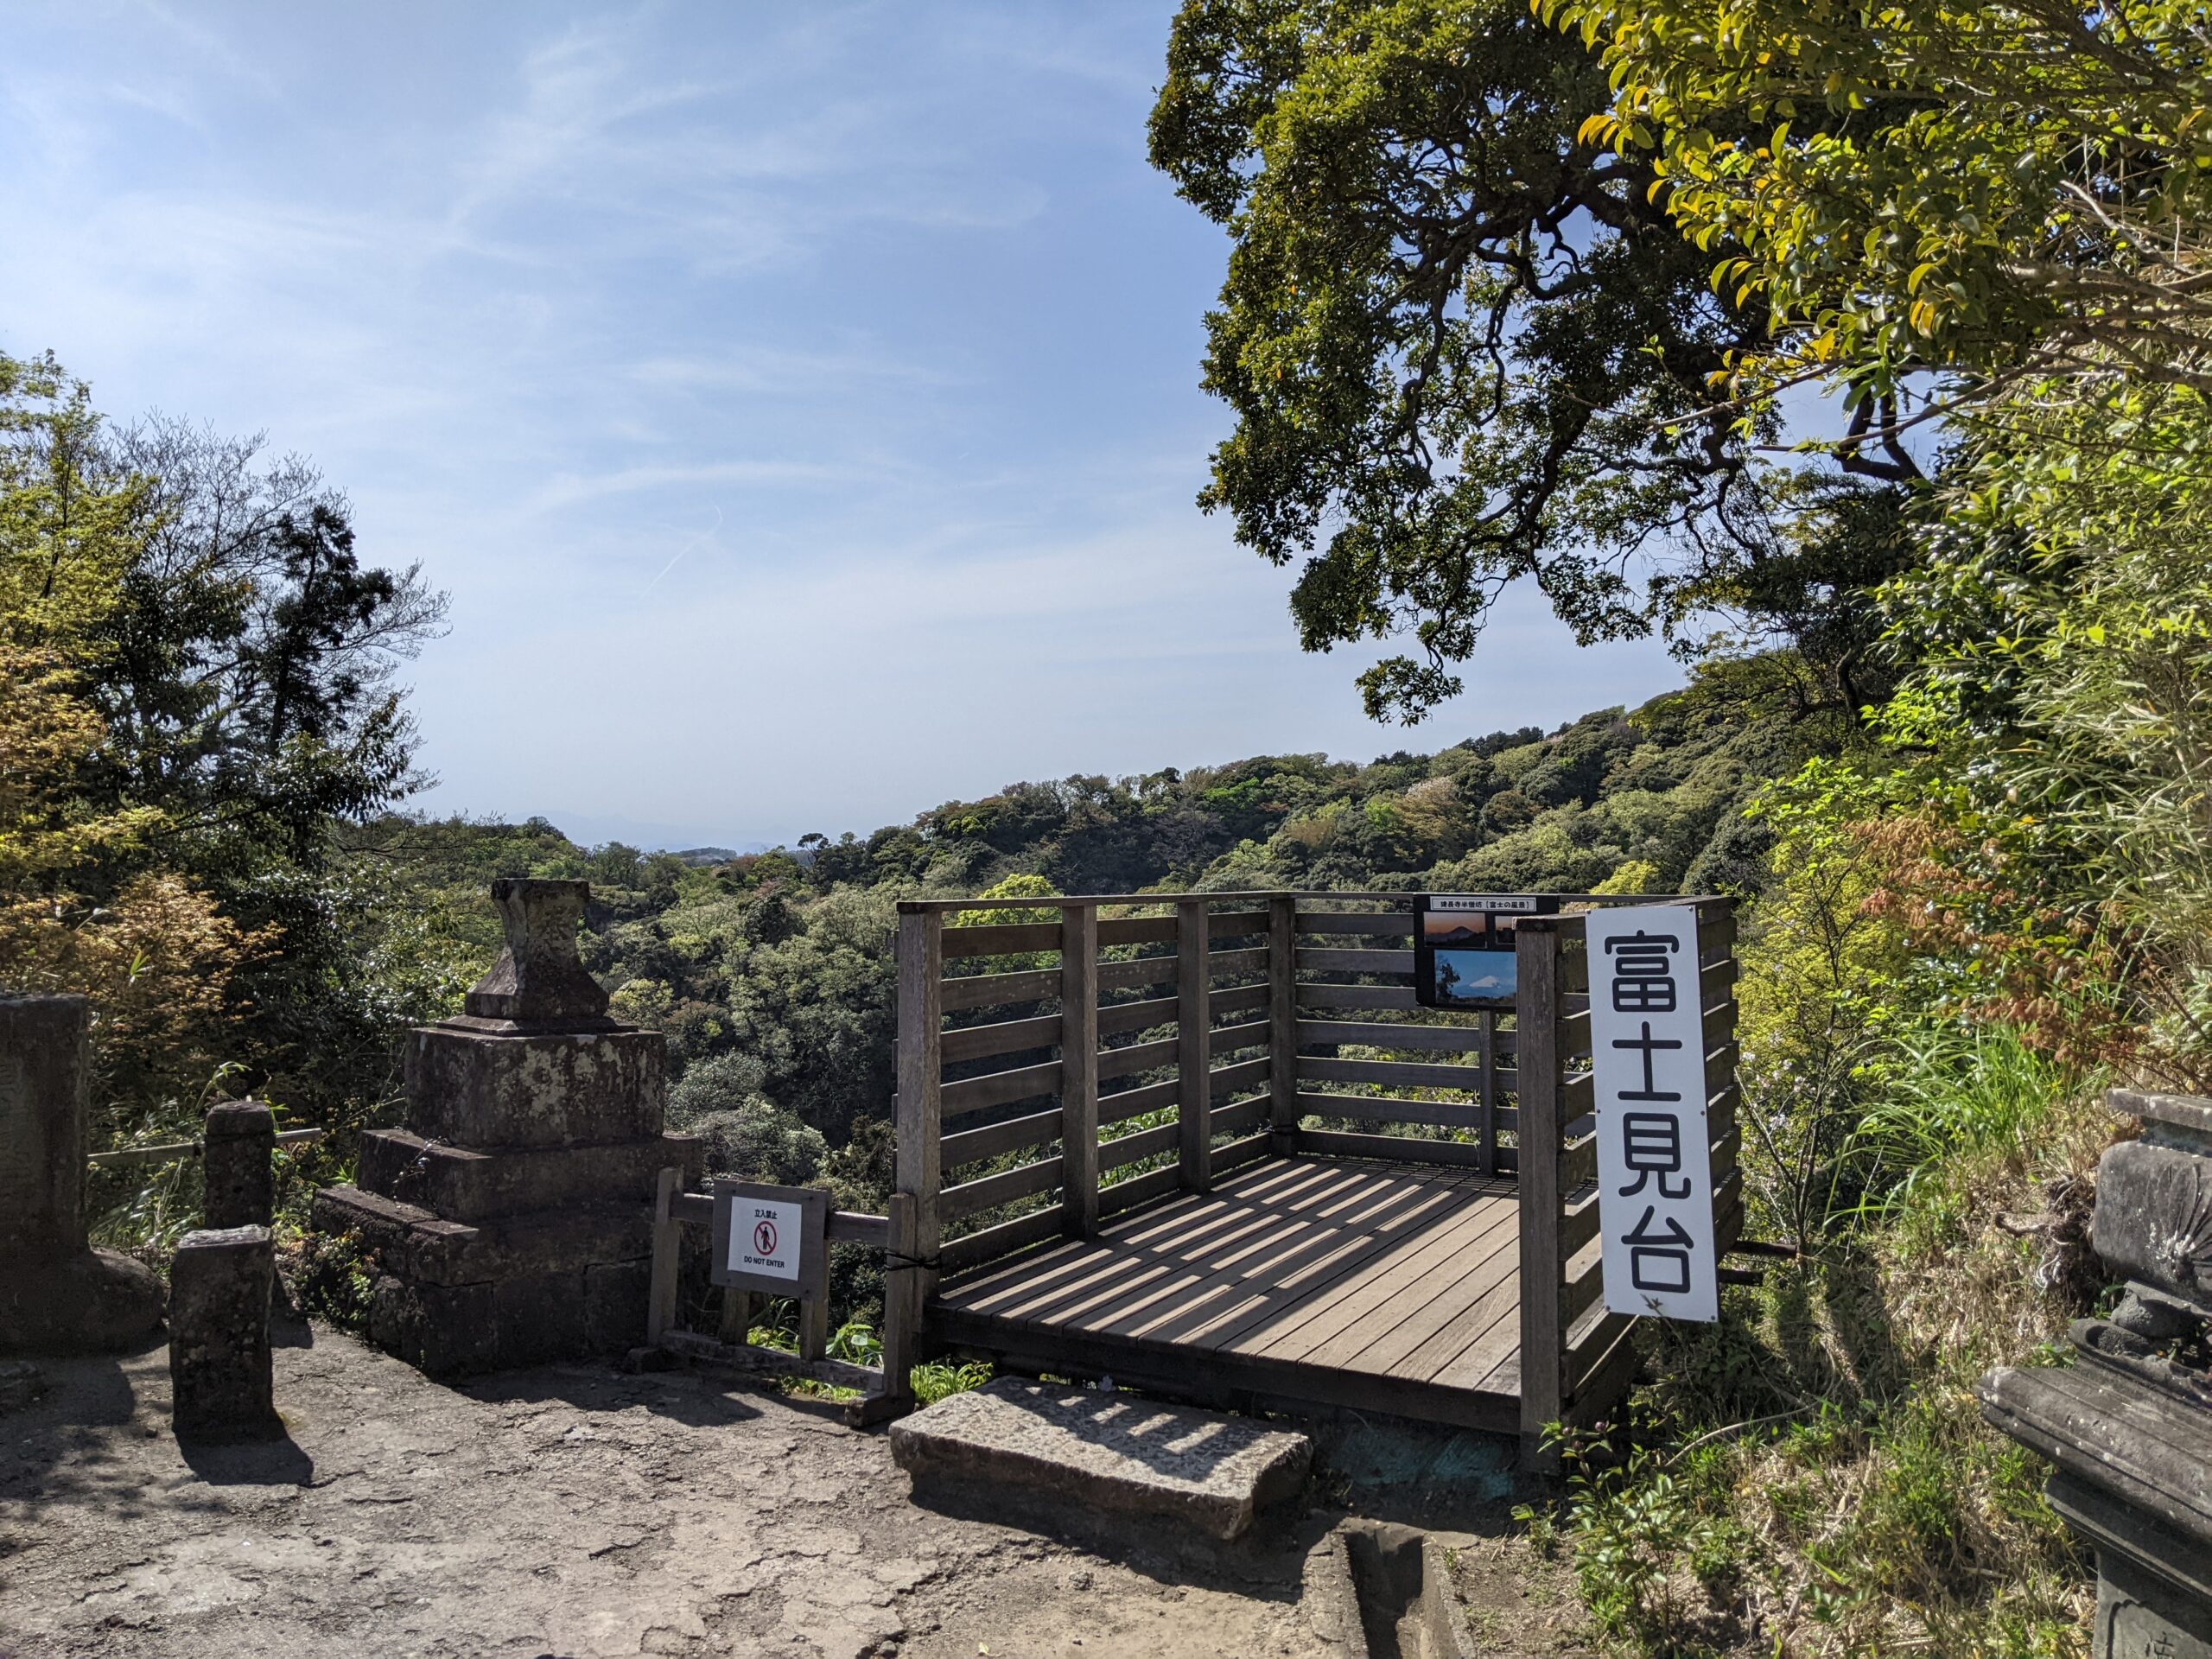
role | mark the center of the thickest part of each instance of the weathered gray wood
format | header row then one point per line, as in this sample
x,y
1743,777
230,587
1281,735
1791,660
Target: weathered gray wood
x,y
1238,1115
1392,1148
1239,998
1227,1080
1193,1024
851,1227
901,1307
1382,1108
1005,939
1391,1074
1235,923
1079,1070
997,1088
753,1359
1128,1148
919,1126
989,1244
737,1314
1022,1181
1006,1037
1127,1195
1487,1130
1136,929
1233,1154
1379,924
813,1329
1358,996
1132,1016
1115,1063
993,990
1128,975
1227,1039
668,1244
1252,959
1126,1103
1392,1033
1327,959
1536,1014
995,1140
1282,1016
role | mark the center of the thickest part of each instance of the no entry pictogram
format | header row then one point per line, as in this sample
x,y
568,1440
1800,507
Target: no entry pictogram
x,y
764,1237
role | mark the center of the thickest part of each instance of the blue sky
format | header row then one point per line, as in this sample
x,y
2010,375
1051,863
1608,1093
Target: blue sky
x,y
800,403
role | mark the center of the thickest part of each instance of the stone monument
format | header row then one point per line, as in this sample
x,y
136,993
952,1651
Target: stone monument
x,y
237,1156
56,1294
2128,1428
511,1222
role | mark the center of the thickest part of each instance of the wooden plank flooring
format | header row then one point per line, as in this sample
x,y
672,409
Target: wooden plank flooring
x,y
1325,1281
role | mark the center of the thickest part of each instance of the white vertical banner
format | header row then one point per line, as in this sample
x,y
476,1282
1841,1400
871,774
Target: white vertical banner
x,y
1654,1159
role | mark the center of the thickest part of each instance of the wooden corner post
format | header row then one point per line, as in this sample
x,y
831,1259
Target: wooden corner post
x,y
1194,1045
920,1136
1079,1069
1543,1339
1282,1021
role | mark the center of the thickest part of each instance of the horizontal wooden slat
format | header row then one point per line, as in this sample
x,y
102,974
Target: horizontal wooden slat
x,y
1135,1102
1720,1023
1242,1000
1134,1016
1136,929
1127,975
1128,1148
997,1088
1582,1289
1322,959
1000,939
1235,923
1022,1181
1380,1109
1715,978
1399,1034
1592,1348
1237,1114
1138,1189
1577,1226
1390,1074
1331,1143
1377,925
1227,1039
1138,1056
1220,964
989,1244
1357,996
990,990
996,1139
1006,1037
1227,1080
1578,1164
852,1227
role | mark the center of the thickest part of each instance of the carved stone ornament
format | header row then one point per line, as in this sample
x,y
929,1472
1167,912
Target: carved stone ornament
x,y
538,979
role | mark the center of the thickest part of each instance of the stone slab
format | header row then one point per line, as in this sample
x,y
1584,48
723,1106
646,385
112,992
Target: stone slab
x,y
94,1302
43,1058
241,1139
462,1184
423,1247
470,1087
1090,1450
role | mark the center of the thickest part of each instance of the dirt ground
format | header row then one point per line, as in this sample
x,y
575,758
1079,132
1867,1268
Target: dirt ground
x,y
578,1511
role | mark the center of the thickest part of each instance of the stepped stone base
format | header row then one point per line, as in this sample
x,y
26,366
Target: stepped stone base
x,y
1091,1451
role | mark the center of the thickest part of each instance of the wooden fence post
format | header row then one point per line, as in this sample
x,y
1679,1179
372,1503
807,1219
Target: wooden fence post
x,y
921,1076
1282,1023
1543,1340
900,1305
1486,1132
1079,1069
668,1249
1194,1040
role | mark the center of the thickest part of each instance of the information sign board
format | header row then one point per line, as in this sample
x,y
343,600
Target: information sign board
x,y
1655,1160
771,1238
1463,948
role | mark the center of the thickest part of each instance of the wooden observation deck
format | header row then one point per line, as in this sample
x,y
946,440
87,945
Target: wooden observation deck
x,y
1354,1218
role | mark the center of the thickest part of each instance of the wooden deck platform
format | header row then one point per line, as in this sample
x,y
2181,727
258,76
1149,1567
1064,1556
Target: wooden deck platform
x,y
1382,1286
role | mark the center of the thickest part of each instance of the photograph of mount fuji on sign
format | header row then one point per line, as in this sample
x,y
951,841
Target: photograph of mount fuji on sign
x,y
1469,961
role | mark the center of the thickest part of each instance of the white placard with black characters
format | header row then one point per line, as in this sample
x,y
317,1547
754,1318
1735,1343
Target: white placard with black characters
x,y
1654,1162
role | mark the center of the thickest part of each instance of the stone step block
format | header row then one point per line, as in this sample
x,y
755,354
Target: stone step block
x,y
428,1249
480,1089
1084,1450
465,1184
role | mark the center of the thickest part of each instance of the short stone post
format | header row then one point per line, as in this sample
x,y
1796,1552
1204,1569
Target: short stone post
x,y
219,1370
241,1144
56,1294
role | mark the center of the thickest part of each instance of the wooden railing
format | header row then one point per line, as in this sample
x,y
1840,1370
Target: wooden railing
x,y
1054,1073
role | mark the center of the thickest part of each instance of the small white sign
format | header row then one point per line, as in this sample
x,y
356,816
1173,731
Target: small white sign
x,y
764,1238
1655,1158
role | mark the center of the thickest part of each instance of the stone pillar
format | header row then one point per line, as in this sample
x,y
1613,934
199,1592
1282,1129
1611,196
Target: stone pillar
x,y
56,1295
2128,1430
219,1368
511,1222
241,1178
